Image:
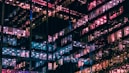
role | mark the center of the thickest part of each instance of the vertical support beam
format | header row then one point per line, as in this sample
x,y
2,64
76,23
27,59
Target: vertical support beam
x,y
91,56
70,27
30,38
1,43
47,36
53,44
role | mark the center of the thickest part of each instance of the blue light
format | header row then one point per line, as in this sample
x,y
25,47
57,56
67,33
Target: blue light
x,y
31,15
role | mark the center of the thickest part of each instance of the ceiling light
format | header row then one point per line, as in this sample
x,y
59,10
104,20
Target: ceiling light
x,y
10,0
17,2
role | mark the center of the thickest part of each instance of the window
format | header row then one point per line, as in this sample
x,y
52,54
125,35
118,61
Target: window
x,y
98,22
126,31
66,40
111,38
50,66
85,30
90,37
119,34
94,3
80,63
116,13
49,38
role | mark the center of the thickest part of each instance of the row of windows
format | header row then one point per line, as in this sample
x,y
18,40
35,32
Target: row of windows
x,y
116,13
67,49
98,22
62,51
14,42
39,63
96,34
14,31
66,40
10,41
95,24
72,12
104,64
94,3
15,52
122,69
119,34
24,53
8,62
79,44
104,8
15,71
39,55
21,65
103,20
36,45
57,35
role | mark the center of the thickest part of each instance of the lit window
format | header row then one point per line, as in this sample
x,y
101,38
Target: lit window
x,y
126,31
50,66
115,13
119,34
112,38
